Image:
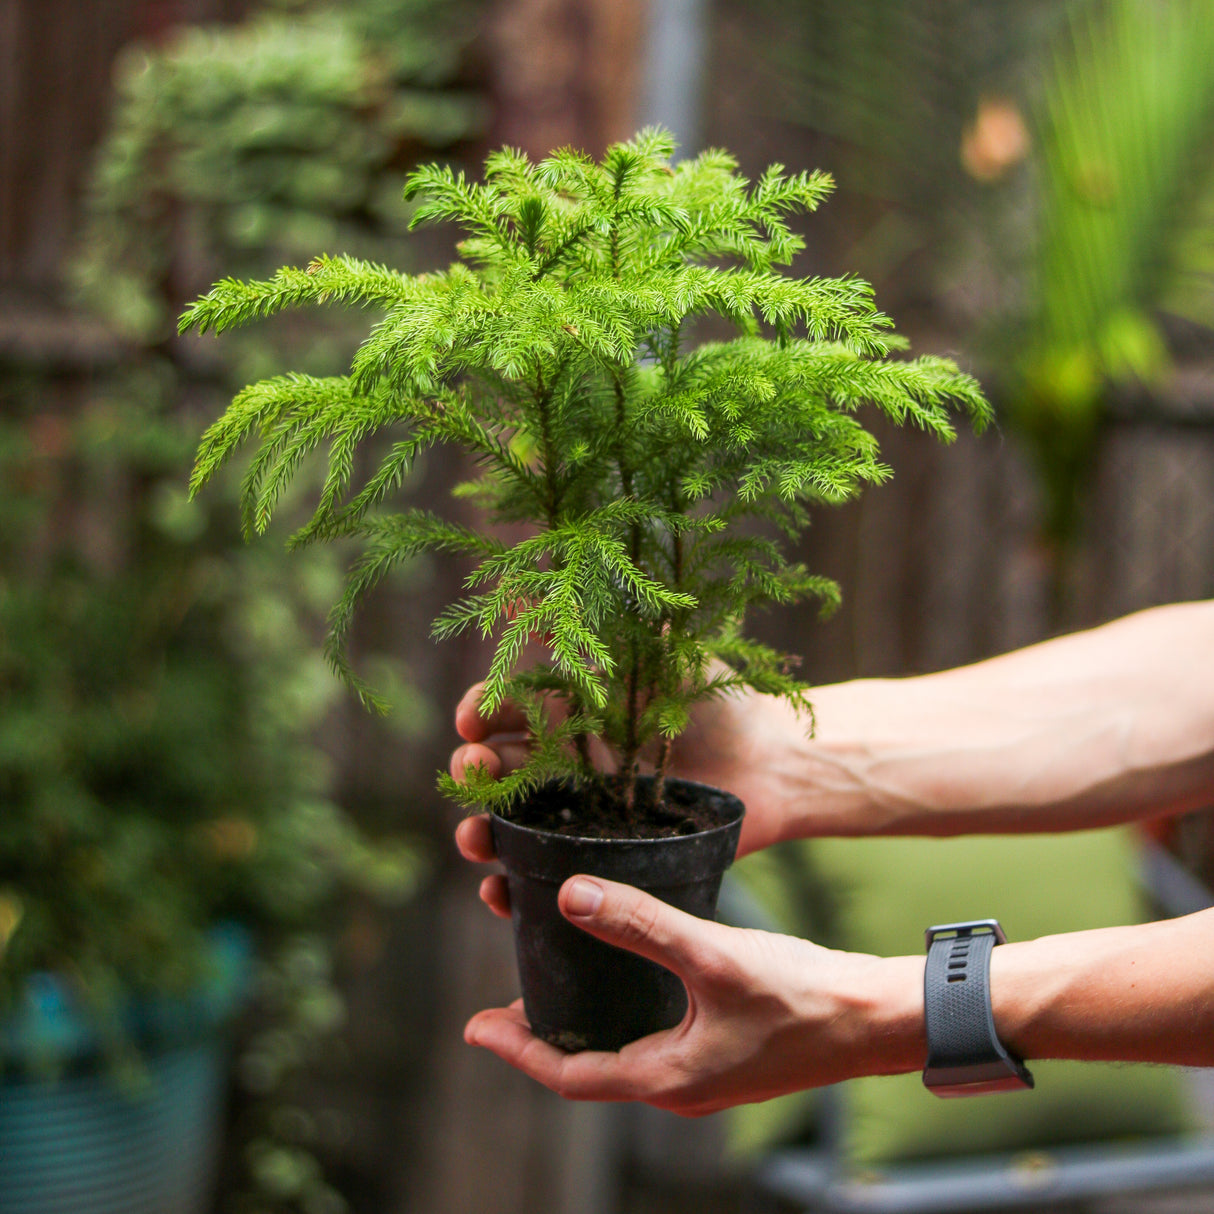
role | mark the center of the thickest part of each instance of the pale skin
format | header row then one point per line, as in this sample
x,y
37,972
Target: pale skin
x,y
1106,726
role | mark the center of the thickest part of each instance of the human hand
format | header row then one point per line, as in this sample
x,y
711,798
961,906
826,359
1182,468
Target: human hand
x,y
767,1014
499,744
740,742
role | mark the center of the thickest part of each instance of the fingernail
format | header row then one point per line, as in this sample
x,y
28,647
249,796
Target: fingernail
x,y
583,897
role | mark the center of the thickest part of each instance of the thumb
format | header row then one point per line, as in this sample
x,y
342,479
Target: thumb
x,y
636,921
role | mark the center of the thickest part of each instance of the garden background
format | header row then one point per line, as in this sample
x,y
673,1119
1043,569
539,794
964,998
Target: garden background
x,y
1023,193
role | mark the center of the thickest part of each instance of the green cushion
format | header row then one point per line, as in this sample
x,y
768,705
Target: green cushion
x,y
881,894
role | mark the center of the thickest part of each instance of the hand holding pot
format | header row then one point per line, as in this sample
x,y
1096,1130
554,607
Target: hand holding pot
x,y
767,1014
741,743
1109,725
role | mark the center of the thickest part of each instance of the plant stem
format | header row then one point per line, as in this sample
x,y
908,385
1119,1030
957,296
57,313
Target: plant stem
x,y
629,757
582,744
664,749
581,740
631,742
663,767
542,398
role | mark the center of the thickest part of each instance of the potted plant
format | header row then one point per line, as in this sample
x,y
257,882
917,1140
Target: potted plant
x,y
636,471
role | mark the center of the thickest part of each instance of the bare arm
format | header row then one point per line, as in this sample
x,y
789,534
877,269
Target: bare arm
x,y
1131,994
1099,727
771,1014
1090,729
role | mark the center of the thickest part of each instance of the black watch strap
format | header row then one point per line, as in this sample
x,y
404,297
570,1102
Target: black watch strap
x,y
964,1054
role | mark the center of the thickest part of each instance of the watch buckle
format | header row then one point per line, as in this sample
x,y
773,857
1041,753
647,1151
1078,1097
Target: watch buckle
x,y
972,927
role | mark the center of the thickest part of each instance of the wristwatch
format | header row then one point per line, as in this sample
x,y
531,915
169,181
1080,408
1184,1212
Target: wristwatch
x,y
964,1054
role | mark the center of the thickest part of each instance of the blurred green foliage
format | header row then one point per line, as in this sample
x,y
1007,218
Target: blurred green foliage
x,y
163,699
1039,175
1125,221
161,688
242,146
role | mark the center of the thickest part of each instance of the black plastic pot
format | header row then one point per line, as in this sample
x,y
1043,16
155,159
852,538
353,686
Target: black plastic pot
x,y
578,992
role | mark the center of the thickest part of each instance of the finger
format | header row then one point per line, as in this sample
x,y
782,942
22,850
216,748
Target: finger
x,y
591,1075
495,894
512,1014
499,754
473,727
640,923
474,838
473,755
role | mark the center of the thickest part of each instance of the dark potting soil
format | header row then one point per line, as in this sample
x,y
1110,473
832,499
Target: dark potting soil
x,y
599,812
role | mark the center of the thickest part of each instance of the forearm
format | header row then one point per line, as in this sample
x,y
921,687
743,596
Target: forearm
x,y
1132,994
1128,994
1087,730
772,1013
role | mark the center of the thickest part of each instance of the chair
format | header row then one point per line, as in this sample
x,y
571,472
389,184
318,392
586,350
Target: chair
x,y
884,1145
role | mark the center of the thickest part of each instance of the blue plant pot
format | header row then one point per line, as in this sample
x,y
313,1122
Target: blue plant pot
x,y
84,1144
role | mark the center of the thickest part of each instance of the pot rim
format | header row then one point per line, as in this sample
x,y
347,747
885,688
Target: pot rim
x,y
615,840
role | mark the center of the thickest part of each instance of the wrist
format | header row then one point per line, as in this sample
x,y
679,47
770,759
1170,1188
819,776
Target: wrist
x,y
965,1054
888,1017
1021,991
